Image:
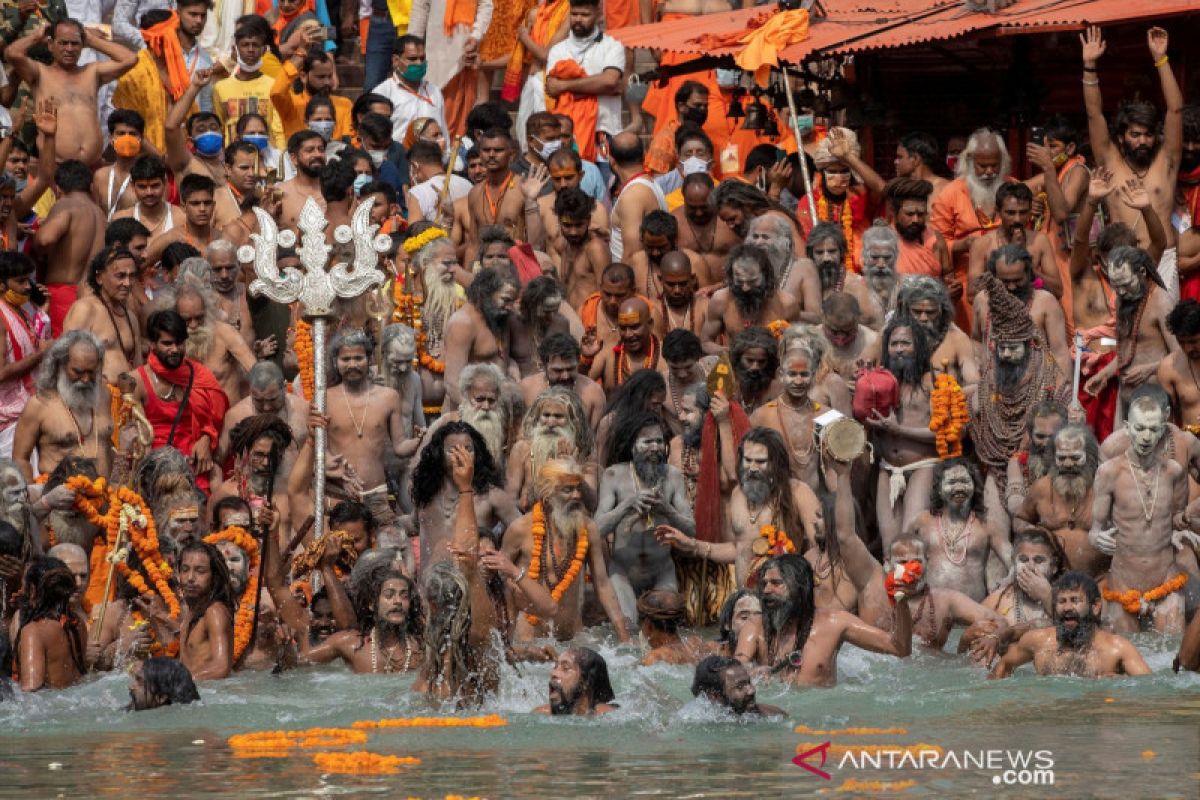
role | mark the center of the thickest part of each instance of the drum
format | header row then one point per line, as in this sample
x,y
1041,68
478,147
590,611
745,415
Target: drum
x,y
843,439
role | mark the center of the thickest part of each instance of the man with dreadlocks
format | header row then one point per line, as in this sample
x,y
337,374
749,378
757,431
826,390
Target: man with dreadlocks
x,y
108,311
257,445
826,248
211,340
799,642
555,426
754,355
49,643
1012,264
1028,465
552,544
749,298
480,331
925,300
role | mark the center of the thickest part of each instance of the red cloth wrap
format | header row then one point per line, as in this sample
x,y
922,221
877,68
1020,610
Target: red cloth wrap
x,y
62,296
708,485
1101,409
526,262
204,414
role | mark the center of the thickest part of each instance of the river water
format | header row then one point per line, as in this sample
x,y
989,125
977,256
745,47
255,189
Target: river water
x,y
1121,738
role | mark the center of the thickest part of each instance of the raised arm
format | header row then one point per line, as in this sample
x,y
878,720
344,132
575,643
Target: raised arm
x,y
1099,187
1017,654
46,119
1093,101
464,544
859,564
839,148
178,155
17,55
122,59
1172,146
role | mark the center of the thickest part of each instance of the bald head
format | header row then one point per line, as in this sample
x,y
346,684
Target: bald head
x,y
676,262
626,150
76,560
631,307
633,323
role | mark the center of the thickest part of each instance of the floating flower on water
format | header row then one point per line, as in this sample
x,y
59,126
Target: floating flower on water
x,y
855,785
279,742
489,721
362,762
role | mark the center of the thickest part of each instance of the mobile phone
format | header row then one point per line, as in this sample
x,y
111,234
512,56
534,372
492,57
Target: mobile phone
x,y
1037,134
330,33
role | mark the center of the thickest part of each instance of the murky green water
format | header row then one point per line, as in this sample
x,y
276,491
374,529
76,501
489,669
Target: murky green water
x,y
1143,744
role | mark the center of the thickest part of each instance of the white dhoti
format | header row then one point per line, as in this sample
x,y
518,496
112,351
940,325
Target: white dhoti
x,y
1168,270
533,100
898,476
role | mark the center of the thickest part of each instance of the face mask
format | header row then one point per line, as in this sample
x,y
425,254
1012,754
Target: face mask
x,y
377,156
693,165
547,149
696,115
415,73
259,140
323,127
1060,159
209,143
804,122
360,182
15,299
952,162
21,184
126,145
244,67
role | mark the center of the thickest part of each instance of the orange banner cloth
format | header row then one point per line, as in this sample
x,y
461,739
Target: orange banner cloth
x,y
763,41
459,12
583,109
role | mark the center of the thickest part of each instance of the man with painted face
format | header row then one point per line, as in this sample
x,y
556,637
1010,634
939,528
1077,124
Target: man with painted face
x,y
1138,518
1061,501
925,301
543,311
699,228
269,395
1015,266
826,248
1143,338
479,332
399,354
1139,149
775,234
579,685
1075,645
1174,373
880,254
754,356
1014,204
639,492
725,681
749,299
559,354
1035,460
638,349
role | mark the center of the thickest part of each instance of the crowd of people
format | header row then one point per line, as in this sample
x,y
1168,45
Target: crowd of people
x,y
622,375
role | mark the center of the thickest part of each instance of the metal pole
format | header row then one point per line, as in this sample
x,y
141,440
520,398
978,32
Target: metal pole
x,y
1078,358
808,191
320,434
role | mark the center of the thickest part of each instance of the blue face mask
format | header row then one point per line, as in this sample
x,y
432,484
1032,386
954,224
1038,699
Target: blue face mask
x,y
360,182
209,143
259,140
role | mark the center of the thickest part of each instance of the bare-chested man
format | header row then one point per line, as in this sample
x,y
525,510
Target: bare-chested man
x,y
905,445
639,347
566,172
1175,373
1143,338
555,426
49,637
68,380
108,312
924,299
69,238
436,495
480,331
826,249
269,395
306,149
1177,443
773,233
197,193
1024,597
399,373
682,306
1014,204
1061,501
1074,645
579,253
1139,150
559,354
551,532
798,642
364,419
205,630
214,343
792,415
749,299
501,198
75,88
637,493
230,289
1138,517
1013,266
257,445
543,312
852,345
700,231
957,539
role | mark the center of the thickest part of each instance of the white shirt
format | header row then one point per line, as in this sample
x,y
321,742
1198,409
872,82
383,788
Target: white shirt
x,y
408,105
595,55
426,194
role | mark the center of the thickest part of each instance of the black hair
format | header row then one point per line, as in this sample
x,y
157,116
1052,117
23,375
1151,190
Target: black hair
x,y
798,576
498,133
189,3
193,183
574,203
660,223
424,152
779,466
559,345
430,472
14,264
740,195
153,17
200,116
750,252
624,433
535,294
593,670
709,679
823,231
687,89
725,618
365,101
220,587
488,117
297,140
1011,254
176,253
565,154
1184,319
633,396
239,127
627,155
252,25
404,41
938,503
147,168
901,190
541,120
921,145
699,179
380,187
337,179
11,541
375,126
126,116
755,337
1014,189
316,56
166,677
230,503
691,132
71,21
487,282
122,231
365,598
617,272
1139,113
240,146
103,260
47,588
1060,129
762,156
73,175
1191,122
681,344
166,321
319,101
922,347
1077,580
351,511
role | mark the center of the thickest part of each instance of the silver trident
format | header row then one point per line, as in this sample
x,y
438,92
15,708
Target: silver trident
x,y
316,288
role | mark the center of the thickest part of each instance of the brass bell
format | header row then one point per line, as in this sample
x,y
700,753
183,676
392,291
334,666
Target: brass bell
x,y
756,114
735,103
771,129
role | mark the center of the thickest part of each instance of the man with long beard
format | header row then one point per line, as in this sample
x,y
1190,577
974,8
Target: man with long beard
x,y
1061,500
1013,266
921,249
1139,149
880,250
67,380
903,441
269,395
479,332
798,642
639,492
797,276
579,685
1075,645
966,208
954,530
725,681
211,341
1029,465
826,249
556,541
925,300
749,299
754,355
484,407
257,445
436,267
1014,204
399,354
1143,338
559,354
555,426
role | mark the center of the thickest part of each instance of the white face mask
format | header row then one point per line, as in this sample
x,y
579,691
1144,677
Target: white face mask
x,y
547,149
244,67
693,165
377,156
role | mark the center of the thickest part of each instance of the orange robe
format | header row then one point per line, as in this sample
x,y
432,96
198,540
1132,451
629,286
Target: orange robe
x,y
956,218
583,109
1062,248
660,101
919,259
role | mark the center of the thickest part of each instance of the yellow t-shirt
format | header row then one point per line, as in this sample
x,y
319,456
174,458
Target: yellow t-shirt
x,y
232,98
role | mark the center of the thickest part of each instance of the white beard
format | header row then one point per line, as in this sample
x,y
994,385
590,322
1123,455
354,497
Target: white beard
x,y
77,400
200,343
567,523
983,192
490,426
546,444
440,299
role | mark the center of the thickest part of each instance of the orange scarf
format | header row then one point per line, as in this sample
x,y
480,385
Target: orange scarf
x,y
163,40
583,109
459,12
546,21
284,20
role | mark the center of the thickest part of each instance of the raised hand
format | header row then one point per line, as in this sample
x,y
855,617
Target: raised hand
x,y
462,467
1093,45
590,343
1101,185
202,77
1156,40
46,117
1133,194
535,181
780,174
1039,156
839,144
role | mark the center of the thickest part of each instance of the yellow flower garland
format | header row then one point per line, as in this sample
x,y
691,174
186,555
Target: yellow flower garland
x,y
243,623
305,739
414,243
948,415
362,763
489,721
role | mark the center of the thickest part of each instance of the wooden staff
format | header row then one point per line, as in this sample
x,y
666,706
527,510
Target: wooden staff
x,y
446,177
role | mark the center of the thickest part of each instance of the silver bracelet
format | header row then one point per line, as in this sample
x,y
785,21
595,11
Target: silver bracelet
x,y
520,575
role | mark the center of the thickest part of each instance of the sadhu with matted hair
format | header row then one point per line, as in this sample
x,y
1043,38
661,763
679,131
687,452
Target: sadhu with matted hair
x,y
555,426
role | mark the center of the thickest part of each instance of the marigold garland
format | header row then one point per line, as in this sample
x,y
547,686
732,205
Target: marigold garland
x,y
363,763
777,327
948,415
1139,603
243,622
310,558
304,357
647,362
847,223
120,413
778,542
851,731
535,558
489,721
307,739
414,243
855,785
